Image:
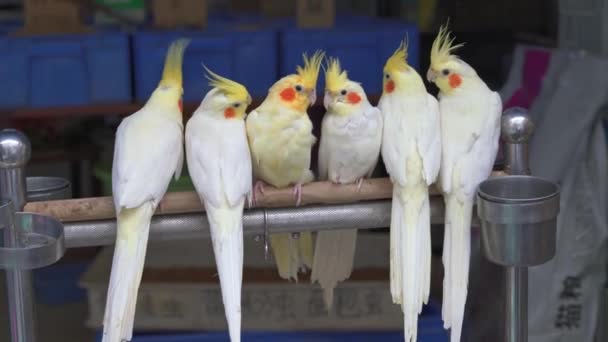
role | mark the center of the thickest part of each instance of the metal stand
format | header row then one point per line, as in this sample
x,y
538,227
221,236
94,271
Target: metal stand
x,y
30,240
518,215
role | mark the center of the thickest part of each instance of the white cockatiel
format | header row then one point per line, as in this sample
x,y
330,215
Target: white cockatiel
x,y
219,164
411,151
148,152
470,129
351,134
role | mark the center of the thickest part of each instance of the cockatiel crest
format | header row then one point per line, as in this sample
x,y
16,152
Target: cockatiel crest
x,y
231,89
310,72
441,51
398,74
398,61
298,91
172,73
341,94
335,78
236,97
447,70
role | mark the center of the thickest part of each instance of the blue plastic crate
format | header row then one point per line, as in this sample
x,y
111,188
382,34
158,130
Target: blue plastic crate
x,y
430,329
248,57
362,44
64,70
58,284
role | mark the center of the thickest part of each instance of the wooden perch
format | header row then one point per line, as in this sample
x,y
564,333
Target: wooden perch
x,y
98,208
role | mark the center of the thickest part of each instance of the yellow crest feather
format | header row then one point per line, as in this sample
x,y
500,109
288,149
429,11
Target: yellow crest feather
x,y
398,61
172,72
310,72
441,51
335,77
233,90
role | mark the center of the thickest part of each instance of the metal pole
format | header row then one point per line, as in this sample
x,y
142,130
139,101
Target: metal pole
x,y
364,215
15,152
517,304
516,130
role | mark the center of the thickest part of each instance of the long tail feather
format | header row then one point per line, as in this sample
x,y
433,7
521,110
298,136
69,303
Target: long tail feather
x,y
291,255
227,236
456,260
127,269
415,252
395,249
333,261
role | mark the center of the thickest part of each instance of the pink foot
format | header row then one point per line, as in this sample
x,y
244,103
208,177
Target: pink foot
x,y
297,191
359,183
258,187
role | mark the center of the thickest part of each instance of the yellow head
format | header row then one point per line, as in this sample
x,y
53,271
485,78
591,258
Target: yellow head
x,y
169,90
447,71
342,95
298,91
231,98
398,75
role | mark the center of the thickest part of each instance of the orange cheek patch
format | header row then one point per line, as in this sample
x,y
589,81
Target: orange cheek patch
x,y
353,98
455,80
288,94
389,87
180,104
229,113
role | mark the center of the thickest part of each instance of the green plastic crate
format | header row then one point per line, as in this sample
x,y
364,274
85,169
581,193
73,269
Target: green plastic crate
x,y
103,173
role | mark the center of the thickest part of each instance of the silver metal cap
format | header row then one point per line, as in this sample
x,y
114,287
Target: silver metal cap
x,y
516,126
15,149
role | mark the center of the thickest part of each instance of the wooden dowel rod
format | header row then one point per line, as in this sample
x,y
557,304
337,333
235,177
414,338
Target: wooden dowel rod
x,y
98,208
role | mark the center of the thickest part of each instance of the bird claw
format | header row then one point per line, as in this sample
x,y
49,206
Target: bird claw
x,y
297,191
359,183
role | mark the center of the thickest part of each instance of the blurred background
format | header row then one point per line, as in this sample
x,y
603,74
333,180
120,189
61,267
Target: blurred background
x,y
70,70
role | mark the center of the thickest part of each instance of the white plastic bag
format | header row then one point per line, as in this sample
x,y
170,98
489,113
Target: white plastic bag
x,y
569,147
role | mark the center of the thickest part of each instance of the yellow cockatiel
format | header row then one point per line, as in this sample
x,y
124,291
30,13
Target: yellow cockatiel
x,y
281,139
148,151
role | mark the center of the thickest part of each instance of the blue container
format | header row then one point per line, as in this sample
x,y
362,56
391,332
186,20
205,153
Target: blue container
x,y
430,329
362,44
248,57
58,284
64,70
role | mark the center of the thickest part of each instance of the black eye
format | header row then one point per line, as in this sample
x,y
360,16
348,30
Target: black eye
x,y
299,87
445,72
387,76
343,92
237,105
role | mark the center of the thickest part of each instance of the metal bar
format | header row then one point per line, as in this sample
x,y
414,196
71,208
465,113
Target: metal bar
x,y
516,130
364,215
517,159
517,304
14,154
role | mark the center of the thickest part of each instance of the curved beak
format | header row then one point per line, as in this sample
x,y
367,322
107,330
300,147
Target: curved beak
x,y
312,96
431,75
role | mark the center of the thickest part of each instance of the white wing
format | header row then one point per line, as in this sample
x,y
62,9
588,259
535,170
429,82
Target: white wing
x,y
350,145
394,148
218,159
146,155
429,140
477,165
